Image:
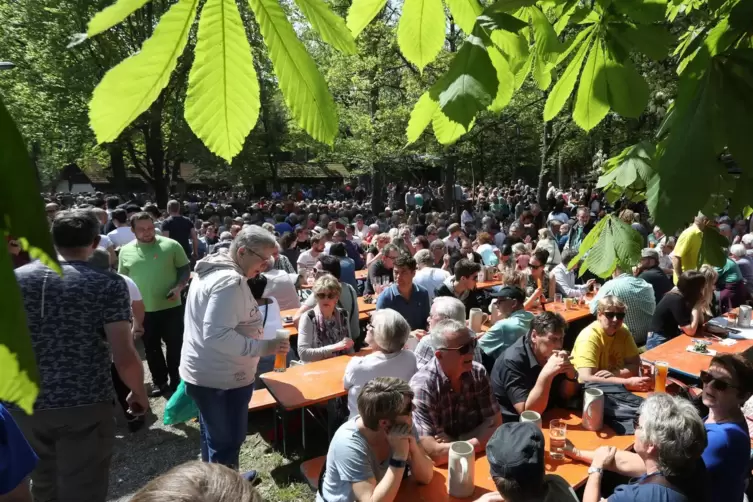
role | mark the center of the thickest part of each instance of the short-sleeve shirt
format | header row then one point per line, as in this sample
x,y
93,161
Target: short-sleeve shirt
x,y
671,313
728,274
505,333
514,376
17,459
180,230
66,317
415,310
595,349
727,458
658,280
438,408
154,269
377,269
688,248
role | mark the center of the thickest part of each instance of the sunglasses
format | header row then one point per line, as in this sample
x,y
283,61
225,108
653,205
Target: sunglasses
x,y
328,296
636,422
720,385
612,315
465,349
535,267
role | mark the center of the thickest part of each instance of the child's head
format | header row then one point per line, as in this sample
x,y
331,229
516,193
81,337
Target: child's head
x,y
198,482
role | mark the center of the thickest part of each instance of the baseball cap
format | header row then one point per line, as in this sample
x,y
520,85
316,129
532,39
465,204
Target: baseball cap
x,y
510,292
516,451
650,253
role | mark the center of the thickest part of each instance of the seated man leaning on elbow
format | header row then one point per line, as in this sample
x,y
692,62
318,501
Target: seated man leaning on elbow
x,y
605,351
535,373
452,394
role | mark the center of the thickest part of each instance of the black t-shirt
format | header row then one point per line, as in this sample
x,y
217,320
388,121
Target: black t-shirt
x,y
180,230
303,245
658,280
377,269
671,313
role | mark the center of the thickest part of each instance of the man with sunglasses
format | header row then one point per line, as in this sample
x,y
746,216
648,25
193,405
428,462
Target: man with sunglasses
x,y
382,267
462,285
453,398
605,351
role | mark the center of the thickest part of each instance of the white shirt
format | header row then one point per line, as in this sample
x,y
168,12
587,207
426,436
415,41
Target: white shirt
x,y
451,243
281,288
361,234
430,278
466,217
274,319
104,242
133,290
121,236
306,260
566,281
361,370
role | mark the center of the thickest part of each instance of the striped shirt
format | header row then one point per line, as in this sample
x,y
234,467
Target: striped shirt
x,y
638,295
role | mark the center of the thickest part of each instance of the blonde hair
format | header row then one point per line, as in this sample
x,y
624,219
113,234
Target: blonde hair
x,y
627,216
610,301
515,278
711,276
198,482
327,282
382,398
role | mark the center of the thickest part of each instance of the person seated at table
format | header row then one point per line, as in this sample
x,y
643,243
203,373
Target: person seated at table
x,y
537,282
535,373
731,287
462,285
679,311
381,268
443,307
465,252
427,275
272,321
710,300
649,270
516,454
637,295
510,321
386,336
282,286
347,266
368,454
605,351
727,384
564,278
324,331
667,464
453,397
326,264
410,300
376,250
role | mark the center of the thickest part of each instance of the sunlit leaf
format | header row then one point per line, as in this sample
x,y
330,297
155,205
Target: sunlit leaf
x,y
329,25
112,15
420,32
421,116
592,102
506,80
127,90
361,13
628,91
222,103
303,86
566,83
574,43
611,243
447,131
634,163
464,13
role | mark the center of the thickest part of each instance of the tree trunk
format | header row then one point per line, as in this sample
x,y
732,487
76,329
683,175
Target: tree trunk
x,y
546,137
155,154
449,180
117,165
377,201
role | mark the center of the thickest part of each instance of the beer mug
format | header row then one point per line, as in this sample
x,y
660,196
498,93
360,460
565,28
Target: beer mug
x,y
281,360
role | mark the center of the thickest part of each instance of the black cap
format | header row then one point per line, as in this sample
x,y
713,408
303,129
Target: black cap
x,y
516,451
511,292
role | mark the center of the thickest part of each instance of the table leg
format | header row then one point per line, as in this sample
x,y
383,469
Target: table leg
x,y
284,414
303,427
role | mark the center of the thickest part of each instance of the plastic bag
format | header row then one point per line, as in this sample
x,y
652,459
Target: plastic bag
x,y
180,408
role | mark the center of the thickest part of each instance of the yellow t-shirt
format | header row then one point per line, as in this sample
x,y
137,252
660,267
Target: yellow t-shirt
x,y
595,349
688,248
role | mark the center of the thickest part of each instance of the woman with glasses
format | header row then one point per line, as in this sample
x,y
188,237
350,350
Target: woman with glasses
x,y
727,384
324,332
605,351
386,335
537,283
680,311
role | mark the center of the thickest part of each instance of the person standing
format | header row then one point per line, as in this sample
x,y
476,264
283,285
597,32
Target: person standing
x,y
160,268
72,320
224,341
180,228
122,234
688,247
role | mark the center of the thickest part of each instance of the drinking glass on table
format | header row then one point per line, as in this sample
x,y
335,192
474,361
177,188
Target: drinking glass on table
x,y
558,301
661,369
557,439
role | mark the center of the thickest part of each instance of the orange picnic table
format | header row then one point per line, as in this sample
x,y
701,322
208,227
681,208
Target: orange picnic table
x,y
574,472
691,363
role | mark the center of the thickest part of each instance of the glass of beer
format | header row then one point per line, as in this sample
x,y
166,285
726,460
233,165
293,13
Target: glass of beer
x,y
281,360
557,438
661,369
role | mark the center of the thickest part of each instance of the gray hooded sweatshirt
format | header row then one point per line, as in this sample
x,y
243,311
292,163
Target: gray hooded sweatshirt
x,y
222,338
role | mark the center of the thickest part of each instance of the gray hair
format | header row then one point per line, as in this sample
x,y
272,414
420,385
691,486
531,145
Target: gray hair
x,y
254,238
674,427
269,228
519,248
737,250
391,330
515,226
444,329
449,307
568,255
437,245
424,257
724,228
747,239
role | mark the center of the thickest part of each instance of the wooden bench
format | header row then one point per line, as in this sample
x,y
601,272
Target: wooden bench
x,y
261,399
311,470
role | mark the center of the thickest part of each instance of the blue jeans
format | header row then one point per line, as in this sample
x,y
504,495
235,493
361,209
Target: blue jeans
x,y
223,420
654,340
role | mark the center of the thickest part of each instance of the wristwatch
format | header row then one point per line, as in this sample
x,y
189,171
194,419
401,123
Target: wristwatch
x,y
397,463
595,470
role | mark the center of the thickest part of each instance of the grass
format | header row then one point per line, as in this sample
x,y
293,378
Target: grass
x,y
142,456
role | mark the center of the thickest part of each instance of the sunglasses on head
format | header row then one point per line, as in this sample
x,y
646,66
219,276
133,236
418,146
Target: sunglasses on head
x,y
612,315
720,385
329,296
464,349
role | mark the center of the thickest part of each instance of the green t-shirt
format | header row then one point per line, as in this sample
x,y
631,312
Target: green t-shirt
x,y
729,273
154,269
419,200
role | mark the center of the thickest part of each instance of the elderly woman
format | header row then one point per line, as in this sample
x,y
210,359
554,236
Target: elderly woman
x,y
731,286
669,442
739,254
386,336
727,384
667,246
549,244
489,253
222,343
324,331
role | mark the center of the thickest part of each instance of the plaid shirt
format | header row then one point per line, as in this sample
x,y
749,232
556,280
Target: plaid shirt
x,y
638,295
438,408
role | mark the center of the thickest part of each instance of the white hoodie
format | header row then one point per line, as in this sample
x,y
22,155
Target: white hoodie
x,y
222,338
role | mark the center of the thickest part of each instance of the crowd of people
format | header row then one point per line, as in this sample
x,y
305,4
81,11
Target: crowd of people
x,y
210,275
